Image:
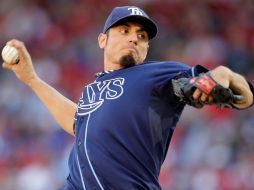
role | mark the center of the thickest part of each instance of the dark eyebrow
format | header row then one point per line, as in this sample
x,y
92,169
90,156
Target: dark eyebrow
x,y
142,29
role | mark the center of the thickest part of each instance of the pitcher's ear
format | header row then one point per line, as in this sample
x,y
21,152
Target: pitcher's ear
x,y
102,39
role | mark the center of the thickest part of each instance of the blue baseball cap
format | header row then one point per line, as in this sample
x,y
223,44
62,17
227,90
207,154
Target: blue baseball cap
x,y
131,14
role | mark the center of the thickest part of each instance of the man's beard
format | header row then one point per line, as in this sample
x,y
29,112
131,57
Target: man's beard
x,y
127,61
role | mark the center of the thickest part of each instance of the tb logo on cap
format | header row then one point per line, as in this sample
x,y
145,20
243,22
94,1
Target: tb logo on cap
x,y
135,11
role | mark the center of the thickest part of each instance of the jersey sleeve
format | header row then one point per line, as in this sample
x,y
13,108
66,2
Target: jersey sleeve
x,y
163,73
192,72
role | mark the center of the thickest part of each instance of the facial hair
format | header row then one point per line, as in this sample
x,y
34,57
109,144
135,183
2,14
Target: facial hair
x,y
127,61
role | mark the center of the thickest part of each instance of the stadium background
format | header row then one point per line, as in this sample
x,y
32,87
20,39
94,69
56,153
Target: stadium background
x,y
211,149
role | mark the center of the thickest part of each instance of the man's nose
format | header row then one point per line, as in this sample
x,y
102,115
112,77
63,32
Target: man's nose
x,y
133,38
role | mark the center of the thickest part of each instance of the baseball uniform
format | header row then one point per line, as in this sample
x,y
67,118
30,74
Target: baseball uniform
x,y
123,125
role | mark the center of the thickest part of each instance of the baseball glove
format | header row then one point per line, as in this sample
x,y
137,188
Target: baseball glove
x,y
221,96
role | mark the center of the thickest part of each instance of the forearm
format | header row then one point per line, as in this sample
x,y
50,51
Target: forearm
x,y
236,82
239,85
60,107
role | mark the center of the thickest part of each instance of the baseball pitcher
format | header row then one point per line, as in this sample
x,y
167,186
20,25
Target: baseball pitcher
x,y
125,118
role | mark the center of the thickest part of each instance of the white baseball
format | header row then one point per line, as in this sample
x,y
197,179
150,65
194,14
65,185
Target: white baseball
x,y
10,55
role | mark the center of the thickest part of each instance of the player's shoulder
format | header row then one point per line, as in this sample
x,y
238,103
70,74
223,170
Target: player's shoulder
x,y
171,65
174,67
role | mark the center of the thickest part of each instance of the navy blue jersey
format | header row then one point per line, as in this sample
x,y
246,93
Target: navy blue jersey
x,y
123,125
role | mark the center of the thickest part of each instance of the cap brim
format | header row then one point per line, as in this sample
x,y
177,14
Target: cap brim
x,y
148,24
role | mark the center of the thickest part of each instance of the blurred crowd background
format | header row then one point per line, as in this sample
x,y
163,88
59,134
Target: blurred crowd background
x,y
211,149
